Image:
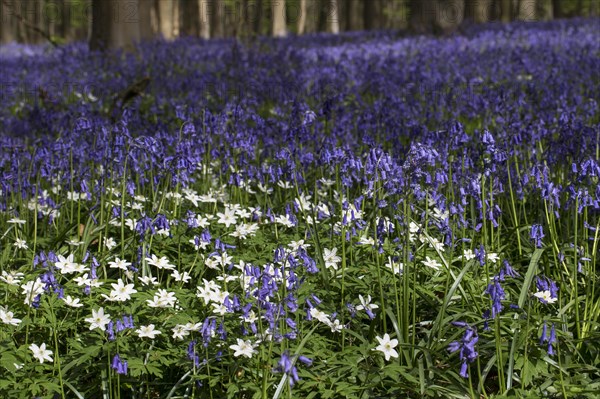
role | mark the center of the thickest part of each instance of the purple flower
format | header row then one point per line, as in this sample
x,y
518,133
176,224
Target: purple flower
x,y
119,365
549,339
287,366
466,346
537,233
497,294
144,225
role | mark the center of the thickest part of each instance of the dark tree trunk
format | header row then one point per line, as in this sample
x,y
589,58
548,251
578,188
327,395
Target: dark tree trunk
x,y
370,14
115,24
189,15
216,18
506,10
422,16
352,11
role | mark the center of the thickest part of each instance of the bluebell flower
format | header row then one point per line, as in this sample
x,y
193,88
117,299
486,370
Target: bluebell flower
x,y
287,365
119,365
548,339
466,346
536,234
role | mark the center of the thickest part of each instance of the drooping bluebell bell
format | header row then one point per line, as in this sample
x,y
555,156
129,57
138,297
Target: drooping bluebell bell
x,y
550,340
497,295
286,364
119,365
466,346
537,234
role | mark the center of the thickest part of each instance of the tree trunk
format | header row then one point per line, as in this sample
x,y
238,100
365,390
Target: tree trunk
x,y
166,15
527,10
594,9
216,18
204,19
557,9
302,17
422,16
448,15
505,11
369,14
483,11
115,24
9,27
279,20
355,21
145,10
333,16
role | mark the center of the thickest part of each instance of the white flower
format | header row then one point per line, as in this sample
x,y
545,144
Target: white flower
x,y
12,277
366,303
98,319
83,280
284,184
162,263
119,264
243,348
303,202
319,315
440,215
244,230
148,280
336,326
250,317
121,291
434,264
32,289
162,299
72,302
180,331
22,244
75,242
493,257
199,244
366,240
436,244
545,297
284,220
386,346
66,265
204,293
468,254
109,243
185,277
326,182
219,309
163,232
227,218
41,353
330,257
147,331
223,259
296,245
7,317
264,188
16,221
395,267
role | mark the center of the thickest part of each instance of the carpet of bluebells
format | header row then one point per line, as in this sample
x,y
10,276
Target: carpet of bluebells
x,y
356,216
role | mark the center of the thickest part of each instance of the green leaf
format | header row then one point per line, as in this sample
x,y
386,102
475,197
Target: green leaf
x,y
531,272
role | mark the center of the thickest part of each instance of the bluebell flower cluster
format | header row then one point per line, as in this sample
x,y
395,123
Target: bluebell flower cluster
x,y
465,347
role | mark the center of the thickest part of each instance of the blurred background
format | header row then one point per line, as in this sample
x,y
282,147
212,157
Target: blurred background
x,y
36,21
